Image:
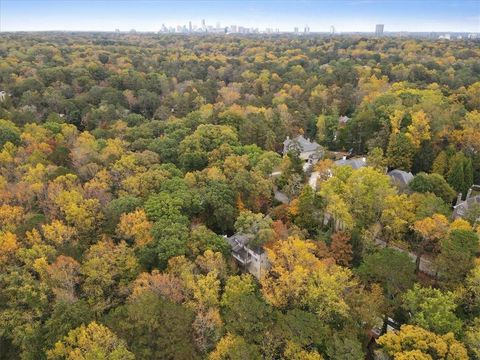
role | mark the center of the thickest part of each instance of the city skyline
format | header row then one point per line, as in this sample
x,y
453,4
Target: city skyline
x,y
345,16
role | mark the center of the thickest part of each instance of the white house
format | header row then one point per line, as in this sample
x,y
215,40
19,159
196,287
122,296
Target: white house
x,y
254,261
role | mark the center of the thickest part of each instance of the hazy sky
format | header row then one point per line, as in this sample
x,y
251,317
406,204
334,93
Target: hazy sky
x,y
149,15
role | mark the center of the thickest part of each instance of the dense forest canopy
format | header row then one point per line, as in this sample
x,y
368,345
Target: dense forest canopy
x,y
126,160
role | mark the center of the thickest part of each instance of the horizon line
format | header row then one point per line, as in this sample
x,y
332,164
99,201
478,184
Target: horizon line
x,y
259,32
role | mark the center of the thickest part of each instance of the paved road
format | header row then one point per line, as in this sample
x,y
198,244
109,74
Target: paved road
x,y
313,180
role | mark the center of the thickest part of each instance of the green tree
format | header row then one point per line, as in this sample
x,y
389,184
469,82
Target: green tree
x,y
202,239
424,158
194,148
468,174
427,204
432,309
433,183
400,152
219,206
308,214
456,175
343,346
24,301
244,312
472,338
440,164
376,159
301,327
116,208
65,317
155,328
256,226
8,133
366,191
170,230
456,259
393,270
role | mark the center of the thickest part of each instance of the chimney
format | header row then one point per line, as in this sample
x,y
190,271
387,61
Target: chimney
x,y
469,193
459,199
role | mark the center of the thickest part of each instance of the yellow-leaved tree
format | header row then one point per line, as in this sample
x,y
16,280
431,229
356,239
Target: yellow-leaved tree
x,y
136,226
419,129
233,347
298,279
94,341
413,342
8,246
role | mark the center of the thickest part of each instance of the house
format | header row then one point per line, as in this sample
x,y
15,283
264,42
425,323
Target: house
x,y
308,151
354,163
462,208
400,178
254,261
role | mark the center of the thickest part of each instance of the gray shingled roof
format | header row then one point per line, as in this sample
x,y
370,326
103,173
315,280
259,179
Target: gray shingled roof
x,y
305,144
462,208
401,177
238,241
355,164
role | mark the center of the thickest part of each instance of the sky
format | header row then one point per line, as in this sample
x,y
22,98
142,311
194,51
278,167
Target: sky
x,y
319,15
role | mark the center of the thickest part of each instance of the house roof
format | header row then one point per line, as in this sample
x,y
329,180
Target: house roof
x,y
238,241
305,144
355,163
239,244
462,208
401,177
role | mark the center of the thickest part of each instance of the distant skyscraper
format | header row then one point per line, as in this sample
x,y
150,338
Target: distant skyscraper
x,y
295,29
379,30
332,30
190,28
204,27
307,29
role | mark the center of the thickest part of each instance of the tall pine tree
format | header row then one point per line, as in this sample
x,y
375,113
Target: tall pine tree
x,y
456,176
468,174
440,165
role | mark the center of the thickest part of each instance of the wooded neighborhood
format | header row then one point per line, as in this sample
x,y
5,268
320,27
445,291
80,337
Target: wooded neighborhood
x,y
239,197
